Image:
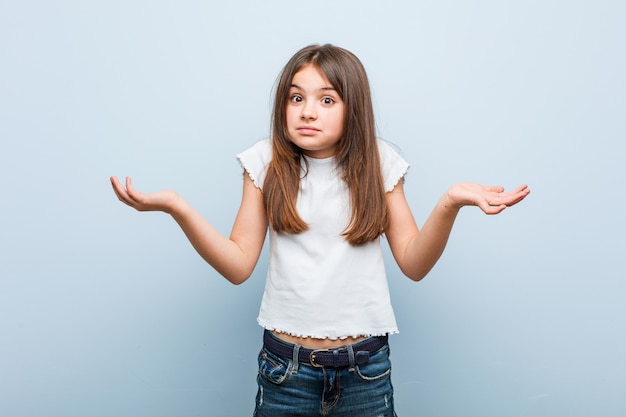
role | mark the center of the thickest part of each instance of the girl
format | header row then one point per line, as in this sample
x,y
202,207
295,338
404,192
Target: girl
x,y
328,189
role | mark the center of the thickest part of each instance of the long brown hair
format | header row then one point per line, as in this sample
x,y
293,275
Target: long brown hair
x,y
357,151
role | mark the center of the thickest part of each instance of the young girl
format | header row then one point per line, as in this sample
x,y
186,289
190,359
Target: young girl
x,y
328,189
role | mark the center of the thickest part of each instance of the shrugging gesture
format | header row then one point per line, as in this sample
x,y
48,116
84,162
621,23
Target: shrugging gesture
x,y
326,303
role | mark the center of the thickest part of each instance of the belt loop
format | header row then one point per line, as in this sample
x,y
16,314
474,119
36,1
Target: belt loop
x,y
350,357
295,360
335,358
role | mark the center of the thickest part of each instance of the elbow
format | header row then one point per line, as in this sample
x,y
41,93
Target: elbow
x,y
415,274
237,277
233,272
237,280
415,277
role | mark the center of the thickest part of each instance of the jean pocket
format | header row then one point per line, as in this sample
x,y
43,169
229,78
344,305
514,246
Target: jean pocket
x,y
378,367
273,368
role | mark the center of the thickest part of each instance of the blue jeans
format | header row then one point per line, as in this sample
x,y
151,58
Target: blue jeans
x,y
292,389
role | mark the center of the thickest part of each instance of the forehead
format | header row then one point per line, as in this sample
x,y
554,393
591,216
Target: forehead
x,y
310,75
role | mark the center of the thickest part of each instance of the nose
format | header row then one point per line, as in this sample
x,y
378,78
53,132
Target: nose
x,y
308,112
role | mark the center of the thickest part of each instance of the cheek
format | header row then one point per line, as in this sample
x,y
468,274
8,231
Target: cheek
x,y
291,116
340,119
340,124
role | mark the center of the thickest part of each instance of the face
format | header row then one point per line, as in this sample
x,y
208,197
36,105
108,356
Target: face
x,y
315,114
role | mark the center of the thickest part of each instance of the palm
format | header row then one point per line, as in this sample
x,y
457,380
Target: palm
x,y
157,201
491,200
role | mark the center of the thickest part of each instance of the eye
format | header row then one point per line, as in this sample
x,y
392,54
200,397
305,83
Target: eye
x,y
295,98
328,100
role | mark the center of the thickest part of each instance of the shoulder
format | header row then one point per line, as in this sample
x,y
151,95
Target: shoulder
x,y
261,149
393,165
255,160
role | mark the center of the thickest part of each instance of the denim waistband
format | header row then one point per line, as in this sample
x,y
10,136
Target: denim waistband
x,y
339,357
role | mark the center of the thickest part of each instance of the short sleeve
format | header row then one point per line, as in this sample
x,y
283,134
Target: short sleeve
x,y
255,160
394,167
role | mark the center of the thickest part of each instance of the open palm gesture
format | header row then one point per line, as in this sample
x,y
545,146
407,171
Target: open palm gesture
x,y
157,201
490,199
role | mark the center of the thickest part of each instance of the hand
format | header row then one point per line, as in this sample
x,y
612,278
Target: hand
x,y
158,201
491,200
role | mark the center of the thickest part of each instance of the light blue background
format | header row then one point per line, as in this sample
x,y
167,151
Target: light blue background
x,y
108,312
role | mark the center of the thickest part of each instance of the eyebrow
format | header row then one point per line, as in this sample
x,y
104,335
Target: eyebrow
x,y
321,89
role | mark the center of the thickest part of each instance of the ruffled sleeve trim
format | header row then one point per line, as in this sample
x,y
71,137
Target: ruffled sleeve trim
x,y
255,160
394,167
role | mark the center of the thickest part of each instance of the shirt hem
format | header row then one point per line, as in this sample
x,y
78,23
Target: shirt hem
x,y
371,333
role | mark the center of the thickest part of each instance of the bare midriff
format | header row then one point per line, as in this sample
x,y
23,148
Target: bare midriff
x,y
310,342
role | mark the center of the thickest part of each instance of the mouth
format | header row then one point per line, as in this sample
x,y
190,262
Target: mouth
x,y
307,130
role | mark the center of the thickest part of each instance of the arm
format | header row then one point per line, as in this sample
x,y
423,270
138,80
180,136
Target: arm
x,y
415,251
234,257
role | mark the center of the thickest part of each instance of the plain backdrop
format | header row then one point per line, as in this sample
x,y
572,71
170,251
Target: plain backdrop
x,y
107,312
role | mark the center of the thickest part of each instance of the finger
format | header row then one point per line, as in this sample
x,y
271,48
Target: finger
x,y
133,194
115,183
523,188
129,185
117,187
491,210
120,192
520,194
517,200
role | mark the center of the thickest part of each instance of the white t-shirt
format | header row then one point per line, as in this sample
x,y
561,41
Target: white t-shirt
x,y
318,285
